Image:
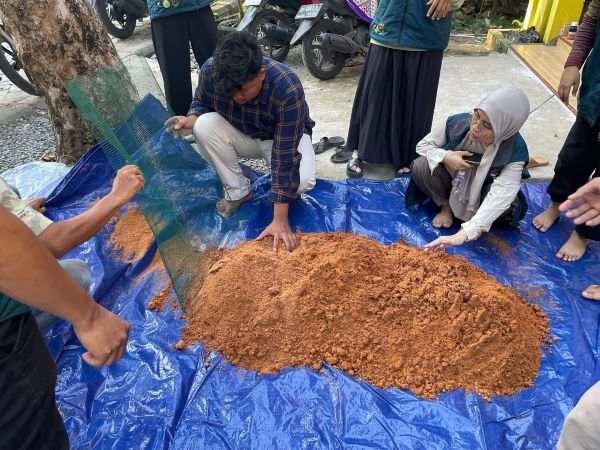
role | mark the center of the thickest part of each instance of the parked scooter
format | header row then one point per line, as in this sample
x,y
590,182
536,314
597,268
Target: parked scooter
x,y
331,33
272,21
120,16
11,66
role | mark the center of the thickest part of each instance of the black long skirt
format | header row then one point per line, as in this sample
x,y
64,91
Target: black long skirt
x,y
394,104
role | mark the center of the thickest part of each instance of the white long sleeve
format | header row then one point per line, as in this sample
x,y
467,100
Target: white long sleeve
x,y
432,146
503,191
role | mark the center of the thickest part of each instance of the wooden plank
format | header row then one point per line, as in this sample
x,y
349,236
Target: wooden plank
x,y
546,63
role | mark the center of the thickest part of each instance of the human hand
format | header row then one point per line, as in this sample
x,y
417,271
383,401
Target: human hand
x,y
584,205
104,336
569,80
181,126
455,161
280,230
438,9
443,242
128,182
37,204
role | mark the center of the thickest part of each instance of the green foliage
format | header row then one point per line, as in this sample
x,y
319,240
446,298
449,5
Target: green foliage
x,y
479,24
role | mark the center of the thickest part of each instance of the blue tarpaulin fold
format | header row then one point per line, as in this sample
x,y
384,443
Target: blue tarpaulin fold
x,y
161,398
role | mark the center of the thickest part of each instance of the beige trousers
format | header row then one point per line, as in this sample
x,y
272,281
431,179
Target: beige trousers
x,y
581,430
221,144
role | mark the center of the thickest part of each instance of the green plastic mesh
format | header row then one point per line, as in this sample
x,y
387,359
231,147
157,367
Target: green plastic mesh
x,y
107,98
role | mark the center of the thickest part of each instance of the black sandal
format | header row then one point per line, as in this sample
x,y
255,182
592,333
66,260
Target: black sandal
x,y
353,164
326,143
341,156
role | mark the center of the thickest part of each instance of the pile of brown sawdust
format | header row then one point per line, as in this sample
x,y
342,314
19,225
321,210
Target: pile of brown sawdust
x,y
132,235
393,315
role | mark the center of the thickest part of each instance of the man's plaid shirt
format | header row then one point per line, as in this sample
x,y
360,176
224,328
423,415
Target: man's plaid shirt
x,y
279,112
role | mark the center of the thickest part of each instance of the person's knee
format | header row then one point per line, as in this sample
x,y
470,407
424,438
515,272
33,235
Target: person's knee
x,y
207,127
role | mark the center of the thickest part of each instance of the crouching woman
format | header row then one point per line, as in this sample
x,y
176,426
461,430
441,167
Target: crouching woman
x,y
472,167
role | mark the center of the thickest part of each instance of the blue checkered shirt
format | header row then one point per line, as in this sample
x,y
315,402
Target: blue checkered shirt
x,y
279,112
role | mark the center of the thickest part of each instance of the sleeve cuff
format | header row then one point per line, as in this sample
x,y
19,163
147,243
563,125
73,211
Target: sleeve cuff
x,y
472,230
435,157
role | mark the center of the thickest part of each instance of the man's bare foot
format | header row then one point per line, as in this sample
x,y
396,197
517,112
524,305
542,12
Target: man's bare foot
x,y
444,218
545,220
226,208
573,249
591,292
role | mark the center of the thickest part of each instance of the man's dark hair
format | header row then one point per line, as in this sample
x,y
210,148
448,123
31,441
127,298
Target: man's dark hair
x,y
237,59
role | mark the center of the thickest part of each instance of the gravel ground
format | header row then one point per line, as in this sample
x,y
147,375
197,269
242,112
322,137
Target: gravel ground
x,y
26,139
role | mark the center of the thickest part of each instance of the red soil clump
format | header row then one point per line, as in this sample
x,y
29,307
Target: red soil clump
x,y
132,236
392,315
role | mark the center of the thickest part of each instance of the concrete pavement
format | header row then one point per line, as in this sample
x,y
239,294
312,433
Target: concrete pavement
x,y
464,81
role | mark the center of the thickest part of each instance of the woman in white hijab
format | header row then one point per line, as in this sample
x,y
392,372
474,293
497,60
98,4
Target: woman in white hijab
x,y
472,167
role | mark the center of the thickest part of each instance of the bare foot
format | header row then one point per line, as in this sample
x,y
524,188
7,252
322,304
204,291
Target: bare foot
x,y
226,208
545,220
591,292
573,249
444,218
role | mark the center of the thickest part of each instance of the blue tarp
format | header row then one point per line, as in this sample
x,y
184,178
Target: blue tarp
x,y
161,398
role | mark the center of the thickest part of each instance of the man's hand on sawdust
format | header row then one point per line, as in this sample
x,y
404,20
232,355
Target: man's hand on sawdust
x,y
584,205
438,9
281,231
128,182
37,204
104,335
181,126
443,242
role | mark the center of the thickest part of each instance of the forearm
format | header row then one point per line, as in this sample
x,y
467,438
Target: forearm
x,y
586,37
280,212
62,237
27,268
432,147
499,199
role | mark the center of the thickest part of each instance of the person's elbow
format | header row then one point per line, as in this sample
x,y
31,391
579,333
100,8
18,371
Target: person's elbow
x,y
55,239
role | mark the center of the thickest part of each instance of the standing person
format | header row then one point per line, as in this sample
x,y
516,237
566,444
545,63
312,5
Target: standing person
x,y
176,23
30,275
580,155
395,99
584,208
250,106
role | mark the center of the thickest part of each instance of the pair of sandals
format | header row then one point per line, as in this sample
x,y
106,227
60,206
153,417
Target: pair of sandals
x,y
341,155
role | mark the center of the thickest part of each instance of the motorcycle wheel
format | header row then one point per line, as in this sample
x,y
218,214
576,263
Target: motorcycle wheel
x,y
277,51
321,62
121,25
11,67
226,27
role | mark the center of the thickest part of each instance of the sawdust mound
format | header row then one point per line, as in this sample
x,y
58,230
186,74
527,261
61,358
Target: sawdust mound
x,y
132,236
392,315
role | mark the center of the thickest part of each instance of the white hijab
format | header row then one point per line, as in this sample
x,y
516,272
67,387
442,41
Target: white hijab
x,y
508,109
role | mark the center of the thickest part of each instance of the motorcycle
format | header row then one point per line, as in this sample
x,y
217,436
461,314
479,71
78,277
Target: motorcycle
x,y
333,32
11,66
119,17
273,24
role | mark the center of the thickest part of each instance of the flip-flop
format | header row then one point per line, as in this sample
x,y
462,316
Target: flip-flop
x,y
355,162
341,156
326,143
537,161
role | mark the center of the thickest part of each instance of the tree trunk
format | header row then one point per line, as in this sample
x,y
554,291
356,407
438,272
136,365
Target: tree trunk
x,y
59,40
